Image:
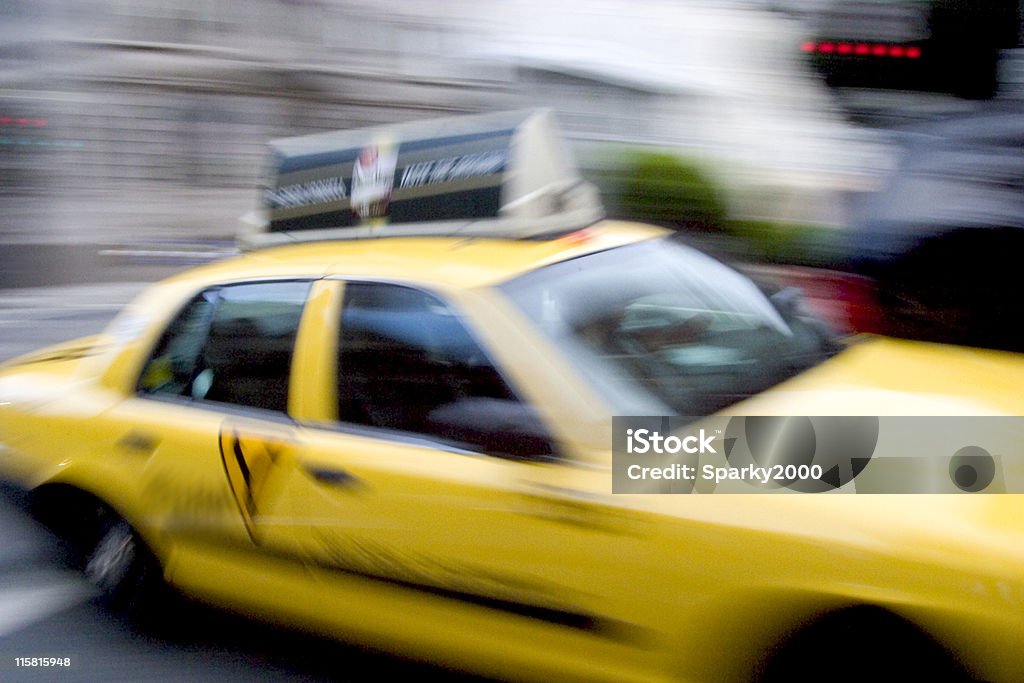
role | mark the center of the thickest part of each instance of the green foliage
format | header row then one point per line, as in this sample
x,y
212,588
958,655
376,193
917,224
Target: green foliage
x,y
661,188
666,189
788,243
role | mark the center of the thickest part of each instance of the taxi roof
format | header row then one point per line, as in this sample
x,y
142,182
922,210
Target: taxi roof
x,y
463,262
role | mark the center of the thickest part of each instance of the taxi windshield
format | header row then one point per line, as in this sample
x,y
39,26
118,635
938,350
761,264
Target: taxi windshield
x,y
660,328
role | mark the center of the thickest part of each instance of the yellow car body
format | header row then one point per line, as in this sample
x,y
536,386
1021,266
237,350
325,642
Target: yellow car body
x,y
513,567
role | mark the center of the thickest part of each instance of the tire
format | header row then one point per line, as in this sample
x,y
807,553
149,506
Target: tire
x,y
104,547
862,644
112,560
123,570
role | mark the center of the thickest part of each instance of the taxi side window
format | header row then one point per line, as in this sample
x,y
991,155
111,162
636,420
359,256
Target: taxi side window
x,y
407,362
230,344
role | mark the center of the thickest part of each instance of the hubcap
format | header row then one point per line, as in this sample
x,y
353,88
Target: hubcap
x,y
110,560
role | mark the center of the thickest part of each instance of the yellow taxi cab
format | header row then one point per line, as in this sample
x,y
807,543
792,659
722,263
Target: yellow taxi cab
x,y
405,440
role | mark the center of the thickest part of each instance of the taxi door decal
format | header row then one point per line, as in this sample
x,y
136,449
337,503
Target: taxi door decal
x,y
249,461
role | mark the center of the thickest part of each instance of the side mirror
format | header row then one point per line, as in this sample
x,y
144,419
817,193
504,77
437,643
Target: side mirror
x,y
789,301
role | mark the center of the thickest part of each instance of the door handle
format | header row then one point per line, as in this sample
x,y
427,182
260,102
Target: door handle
x,y
138,443
331,475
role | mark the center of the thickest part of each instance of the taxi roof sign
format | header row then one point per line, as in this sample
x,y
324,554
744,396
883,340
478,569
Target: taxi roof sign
x,y
504,174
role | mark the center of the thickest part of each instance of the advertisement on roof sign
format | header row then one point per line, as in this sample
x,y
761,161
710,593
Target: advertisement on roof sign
x,y
373,178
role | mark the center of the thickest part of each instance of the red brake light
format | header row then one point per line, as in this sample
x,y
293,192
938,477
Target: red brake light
x,y
863,49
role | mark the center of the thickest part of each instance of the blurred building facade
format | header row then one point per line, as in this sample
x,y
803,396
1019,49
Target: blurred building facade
x,y
119,102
